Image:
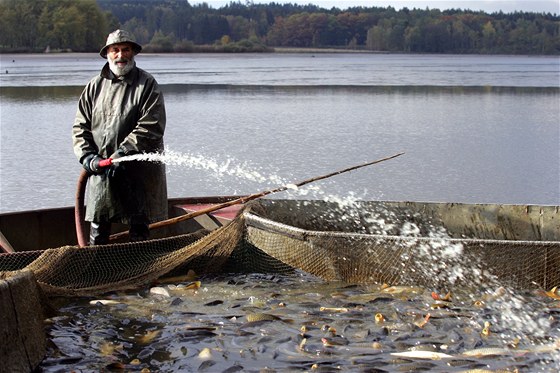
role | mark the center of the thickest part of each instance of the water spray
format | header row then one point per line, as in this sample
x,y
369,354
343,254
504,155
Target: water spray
x,y
251,197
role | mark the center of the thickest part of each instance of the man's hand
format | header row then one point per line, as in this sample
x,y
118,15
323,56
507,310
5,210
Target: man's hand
x,y
91,164
116,168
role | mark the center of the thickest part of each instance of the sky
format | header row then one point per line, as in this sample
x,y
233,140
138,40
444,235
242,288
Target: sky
x,y
489,6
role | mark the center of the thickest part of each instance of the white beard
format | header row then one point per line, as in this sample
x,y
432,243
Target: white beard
x,y
120,71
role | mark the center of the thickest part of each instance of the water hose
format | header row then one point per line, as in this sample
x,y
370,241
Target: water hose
x,y
79,210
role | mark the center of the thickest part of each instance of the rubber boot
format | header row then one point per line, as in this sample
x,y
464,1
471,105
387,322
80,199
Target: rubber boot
x,y
139,232
99,233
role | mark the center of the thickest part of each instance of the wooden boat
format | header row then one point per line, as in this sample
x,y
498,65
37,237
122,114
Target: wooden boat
x,y
521,242
50,228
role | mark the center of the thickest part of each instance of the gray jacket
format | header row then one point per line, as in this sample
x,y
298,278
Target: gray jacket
x,y
128,114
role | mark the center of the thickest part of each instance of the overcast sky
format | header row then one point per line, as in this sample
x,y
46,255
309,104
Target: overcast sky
x,y
547,6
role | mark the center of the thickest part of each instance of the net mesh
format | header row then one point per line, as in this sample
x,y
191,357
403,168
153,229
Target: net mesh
x,y
75,271
396,260
348,249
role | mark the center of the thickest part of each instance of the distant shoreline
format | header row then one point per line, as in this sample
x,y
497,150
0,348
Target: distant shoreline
x,y
272,50
320,50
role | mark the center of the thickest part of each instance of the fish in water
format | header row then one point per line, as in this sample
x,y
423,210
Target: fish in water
x,y
431,355
253,317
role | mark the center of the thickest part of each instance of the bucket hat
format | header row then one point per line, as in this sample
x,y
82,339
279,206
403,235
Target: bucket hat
x,y
117,37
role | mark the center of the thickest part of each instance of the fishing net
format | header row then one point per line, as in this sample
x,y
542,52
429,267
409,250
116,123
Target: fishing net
x,y
369,243
412,244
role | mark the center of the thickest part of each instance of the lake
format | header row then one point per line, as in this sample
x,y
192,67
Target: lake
x,y
473,129
481,129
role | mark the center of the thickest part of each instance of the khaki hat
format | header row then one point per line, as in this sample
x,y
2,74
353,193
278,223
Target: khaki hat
x,y
117,37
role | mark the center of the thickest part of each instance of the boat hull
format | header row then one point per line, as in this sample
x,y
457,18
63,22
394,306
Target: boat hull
x,y
50,228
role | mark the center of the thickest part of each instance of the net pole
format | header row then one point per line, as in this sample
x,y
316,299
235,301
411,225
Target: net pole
x,y
251,197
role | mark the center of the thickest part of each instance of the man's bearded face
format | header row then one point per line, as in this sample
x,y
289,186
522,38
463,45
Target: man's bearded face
x,y
121,59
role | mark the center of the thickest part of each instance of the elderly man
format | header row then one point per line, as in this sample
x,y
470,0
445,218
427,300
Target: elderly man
x,y
121,112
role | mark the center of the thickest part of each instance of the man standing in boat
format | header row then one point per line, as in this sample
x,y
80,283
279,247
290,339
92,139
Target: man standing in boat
x,y
121,112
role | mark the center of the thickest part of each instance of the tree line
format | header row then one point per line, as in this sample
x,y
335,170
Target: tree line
x,y
178,26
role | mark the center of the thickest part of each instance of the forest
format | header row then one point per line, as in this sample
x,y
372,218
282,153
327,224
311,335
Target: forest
x,y
178,26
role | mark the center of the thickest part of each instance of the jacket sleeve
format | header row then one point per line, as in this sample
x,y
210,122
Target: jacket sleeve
x,y
147,135
82,136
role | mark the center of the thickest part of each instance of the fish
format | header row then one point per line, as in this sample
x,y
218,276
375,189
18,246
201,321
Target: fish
x,y
192,286
486,330
499,351
546,348
440,304
334,341
446,297
205,354
205,365
420,321
403,290
431,355
492,351
334,309
301,345
486,298
253,317
109,348
553,293
214,303
105,302
158,290
498,293
479,303
149,336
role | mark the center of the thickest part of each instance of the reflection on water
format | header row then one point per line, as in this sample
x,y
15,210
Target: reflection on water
x,y
19,95
350,89
256,322
29,96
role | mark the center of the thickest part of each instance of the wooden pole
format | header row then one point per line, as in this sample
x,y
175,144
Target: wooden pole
x,y
250,197
5,246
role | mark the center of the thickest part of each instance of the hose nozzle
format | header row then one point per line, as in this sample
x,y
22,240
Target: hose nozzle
x,y
106,162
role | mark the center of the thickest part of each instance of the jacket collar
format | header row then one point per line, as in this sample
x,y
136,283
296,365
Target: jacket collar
x,y
128,78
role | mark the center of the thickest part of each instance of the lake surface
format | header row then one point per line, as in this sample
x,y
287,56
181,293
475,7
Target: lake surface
x,y
480,129
473,128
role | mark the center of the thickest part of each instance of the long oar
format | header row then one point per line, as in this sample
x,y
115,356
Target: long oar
x,y
250,197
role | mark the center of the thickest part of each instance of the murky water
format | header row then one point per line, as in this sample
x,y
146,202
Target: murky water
x,y
273,323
